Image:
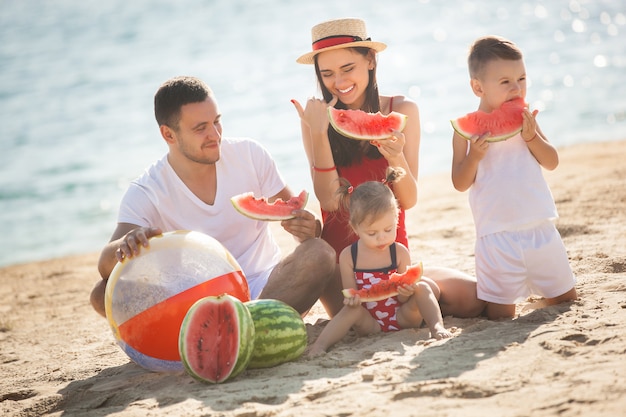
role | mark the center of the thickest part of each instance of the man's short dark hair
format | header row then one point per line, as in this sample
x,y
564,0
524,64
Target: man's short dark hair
x,y
174,94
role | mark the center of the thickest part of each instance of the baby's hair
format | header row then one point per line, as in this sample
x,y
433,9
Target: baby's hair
x,y
490,48
370,199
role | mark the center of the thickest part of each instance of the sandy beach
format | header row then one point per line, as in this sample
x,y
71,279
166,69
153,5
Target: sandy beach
x,y
59,358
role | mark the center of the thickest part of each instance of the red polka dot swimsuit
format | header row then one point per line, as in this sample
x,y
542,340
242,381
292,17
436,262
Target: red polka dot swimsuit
x,y
383,311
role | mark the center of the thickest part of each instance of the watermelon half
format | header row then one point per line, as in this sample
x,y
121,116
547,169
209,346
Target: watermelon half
x,y
357,124
387,288
502,123
261,209
216,338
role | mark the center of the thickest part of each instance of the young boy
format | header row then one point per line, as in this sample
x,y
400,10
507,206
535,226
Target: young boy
x,y
518,250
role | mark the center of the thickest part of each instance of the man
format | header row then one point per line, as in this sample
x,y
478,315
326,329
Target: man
x,y
190,188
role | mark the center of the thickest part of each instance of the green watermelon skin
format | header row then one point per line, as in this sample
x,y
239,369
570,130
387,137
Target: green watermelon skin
x,y
261,209
502,123
279,333
357,124
216,339
387,288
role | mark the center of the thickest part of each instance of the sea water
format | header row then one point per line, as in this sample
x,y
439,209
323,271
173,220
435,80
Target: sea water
x,y
77,81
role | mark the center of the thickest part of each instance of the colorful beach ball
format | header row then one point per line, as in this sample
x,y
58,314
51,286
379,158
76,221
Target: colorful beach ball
x,y
147,296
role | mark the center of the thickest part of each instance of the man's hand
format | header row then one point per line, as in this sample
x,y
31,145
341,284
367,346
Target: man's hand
x,y
304,226
130,245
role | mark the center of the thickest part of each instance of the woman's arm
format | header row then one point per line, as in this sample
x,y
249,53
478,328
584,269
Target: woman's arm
x,y
314,125
403,151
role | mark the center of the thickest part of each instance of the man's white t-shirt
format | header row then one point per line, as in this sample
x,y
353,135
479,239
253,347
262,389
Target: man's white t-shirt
x,y
159,198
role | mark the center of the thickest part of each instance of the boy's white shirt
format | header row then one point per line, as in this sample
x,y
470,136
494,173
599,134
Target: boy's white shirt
x,y
509,190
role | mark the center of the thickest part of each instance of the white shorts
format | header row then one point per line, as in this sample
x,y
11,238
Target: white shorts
x,y
512,265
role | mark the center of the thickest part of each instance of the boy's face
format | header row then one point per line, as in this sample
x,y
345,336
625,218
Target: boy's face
x,y
501,80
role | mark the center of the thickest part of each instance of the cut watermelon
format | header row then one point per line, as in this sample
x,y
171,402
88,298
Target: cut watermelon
x,y
357,124
216,338
387,288
261,209
501,124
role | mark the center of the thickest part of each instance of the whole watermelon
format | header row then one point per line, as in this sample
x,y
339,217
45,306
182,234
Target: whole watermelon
x,y
216,338
279,333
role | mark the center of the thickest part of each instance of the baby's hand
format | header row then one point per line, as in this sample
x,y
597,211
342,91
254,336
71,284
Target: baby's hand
x,y
406,290
352,301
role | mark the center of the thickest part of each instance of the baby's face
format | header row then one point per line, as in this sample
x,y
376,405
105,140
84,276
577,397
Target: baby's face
x,y
501,80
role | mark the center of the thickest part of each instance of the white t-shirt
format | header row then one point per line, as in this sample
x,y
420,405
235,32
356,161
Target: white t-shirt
x,y
509,190
159,198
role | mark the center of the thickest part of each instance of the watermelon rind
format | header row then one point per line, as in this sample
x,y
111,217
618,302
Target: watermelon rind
x,y
502,123
387,288
192,338
360,125
277,211
468,135
280,333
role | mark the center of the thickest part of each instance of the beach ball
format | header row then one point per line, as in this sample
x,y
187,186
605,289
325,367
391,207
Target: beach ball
x,y
147,296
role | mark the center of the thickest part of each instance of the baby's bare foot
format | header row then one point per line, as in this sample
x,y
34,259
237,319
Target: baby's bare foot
x,y
439,332
314,351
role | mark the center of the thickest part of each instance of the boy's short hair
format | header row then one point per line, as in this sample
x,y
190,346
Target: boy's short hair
x,y
490,48
173,94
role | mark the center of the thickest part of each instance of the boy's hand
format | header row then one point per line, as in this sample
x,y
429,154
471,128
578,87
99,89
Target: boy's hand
x,y
478,146
529,125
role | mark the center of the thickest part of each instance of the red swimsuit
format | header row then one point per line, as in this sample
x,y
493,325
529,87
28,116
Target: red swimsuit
x,y
383,311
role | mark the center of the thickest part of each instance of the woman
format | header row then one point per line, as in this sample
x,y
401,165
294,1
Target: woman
x,y
345,64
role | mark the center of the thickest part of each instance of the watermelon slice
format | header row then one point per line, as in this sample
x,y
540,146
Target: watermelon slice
x,y
357,124
502,123
261,209
387,288
216,338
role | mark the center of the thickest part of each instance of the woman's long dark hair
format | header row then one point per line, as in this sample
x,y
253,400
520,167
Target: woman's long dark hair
x,y
345,150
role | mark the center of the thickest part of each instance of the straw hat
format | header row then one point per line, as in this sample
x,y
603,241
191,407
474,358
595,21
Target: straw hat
x,y
337,34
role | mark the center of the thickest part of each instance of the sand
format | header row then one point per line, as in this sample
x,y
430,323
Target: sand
x,y
59,358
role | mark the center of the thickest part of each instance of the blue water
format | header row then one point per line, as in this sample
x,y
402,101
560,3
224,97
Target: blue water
x,y
77,80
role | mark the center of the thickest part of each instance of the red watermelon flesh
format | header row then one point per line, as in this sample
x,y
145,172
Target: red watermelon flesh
x,y
502,123
387,288
261,209
357,124
216,338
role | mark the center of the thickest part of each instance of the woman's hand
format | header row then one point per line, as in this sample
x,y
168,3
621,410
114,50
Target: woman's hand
x,y
314,114
391,148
